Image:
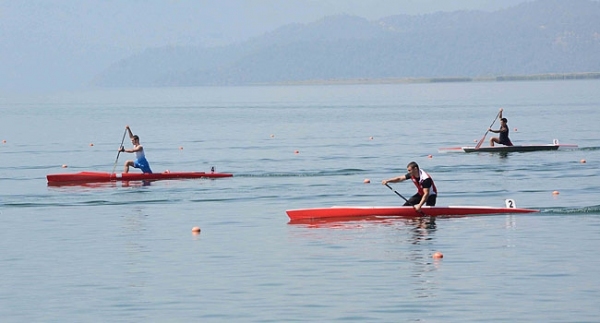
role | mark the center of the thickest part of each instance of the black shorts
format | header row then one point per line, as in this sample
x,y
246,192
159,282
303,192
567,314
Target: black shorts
x,y
415,199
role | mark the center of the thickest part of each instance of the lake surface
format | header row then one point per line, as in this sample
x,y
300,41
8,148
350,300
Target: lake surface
x,y
124,252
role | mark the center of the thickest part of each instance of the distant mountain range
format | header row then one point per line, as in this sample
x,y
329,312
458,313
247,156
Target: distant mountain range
x,y
540,37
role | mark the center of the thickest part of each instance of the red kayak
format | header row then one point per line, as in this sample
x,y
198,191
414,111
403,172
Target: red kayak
x,y
398,211
95,177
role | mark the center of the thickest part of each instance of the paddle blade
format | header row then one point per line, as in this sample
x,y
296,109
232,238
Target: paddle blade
x,y
481,141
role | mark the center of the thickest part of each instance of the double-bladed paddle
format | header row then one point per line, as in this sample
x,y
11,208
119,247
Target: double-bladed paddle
x,y
122,141
485,134
422,213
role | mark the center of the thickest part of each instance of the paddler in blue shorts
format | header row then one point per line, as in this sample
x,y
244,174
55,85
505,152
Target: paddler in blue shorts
x,y
140,158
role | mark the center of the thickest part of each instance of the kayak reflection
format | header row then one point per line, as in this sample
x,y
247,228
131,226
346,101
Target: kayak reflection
x,y
100,185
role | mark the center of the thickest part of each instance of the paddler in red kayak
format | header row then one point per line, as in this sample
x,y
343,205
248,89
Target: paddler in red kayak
x,y
503,131
426,191
140,158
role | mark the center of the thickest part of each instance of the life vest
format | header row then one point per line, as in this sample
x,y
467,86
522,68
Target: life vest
x,y
423,176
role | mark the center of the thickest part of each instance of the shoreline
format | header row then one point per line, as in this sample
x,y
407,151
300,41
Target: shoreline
x,y
409,80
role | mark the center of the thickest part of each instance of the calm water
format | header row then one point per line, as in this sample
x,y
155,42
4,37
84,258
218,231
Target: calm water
x,y
125,253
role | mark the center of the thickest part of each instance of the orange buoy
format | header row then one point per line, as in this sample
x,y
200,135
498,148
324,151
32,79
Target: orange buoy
x,y
196,230
582,161
367,181
3,141
64,166
296,152
555,193
430,156
437,255
370,138
180,148
91,144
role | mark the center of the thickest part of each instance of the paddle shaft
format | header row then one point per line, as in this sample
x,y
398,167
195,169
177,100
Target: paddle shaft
x,y
118,153
482,139
404,198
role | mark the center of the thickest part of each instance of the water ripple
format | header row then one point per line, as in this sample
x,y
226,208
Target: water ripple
x,y
87,203
564,210
340,172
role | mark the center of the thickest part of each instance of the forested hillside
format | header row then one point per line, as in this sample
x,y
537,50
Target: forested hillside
x,y
544,36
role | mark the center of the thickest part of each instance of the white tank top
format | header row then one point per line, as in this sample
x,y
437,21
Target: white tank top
x,y
140,154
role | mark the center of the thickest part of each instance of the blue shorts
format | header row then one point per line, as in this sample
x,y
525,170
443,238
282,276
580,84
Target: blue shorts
x,y
142,164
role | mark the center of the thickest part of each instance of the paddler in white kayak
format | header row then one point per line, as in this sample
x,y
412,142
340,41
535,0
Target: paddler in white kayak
x,y
140,158
426,191
503,131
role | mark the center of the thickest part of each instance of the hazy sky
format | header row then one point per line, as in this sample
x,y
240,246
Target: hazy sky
x,y
62,44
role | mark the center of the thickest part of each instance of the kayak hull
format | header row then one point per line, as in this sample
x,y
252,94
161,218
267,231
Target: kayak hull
x,y
96,177
521,148
506,149
398,211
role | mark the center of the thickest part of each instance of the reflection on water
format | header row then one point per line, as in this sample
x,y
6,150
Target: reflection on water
x,y
341,222
98,185
415,257
422,232
134,228
423,228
